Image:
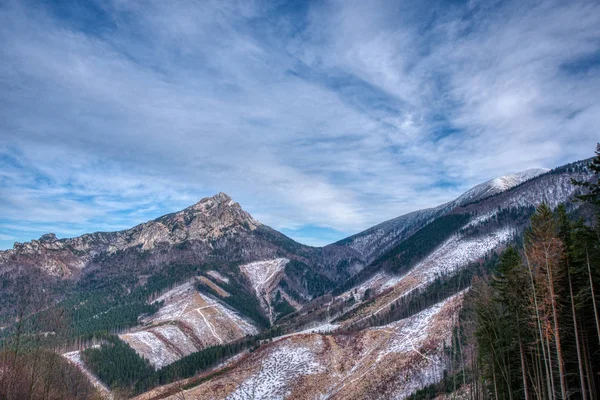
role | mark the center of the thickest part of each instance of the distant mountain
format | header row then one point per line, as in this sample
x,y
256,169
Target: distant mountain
x,y
210,220
409,253
373,242
215,233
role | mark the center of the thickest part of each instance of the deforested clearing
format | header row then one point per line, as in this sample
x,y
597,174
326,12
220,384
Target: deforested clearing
x,y
384,362
189,321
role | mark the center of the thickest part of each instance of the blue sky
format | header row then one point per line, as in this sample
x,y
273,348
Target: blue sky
x,y
320,118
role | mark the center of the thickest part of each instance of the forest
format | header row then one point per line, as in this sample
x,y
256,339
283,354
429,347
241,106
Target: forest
x,y
533,323
123,370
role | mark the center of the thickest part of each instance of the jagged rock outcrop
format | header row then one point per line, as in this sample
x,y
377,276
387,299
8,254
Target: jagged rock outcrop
x,y
207,221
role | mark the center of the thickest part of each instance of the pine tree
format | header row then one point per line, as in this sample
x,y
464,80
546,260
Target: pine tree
x,y
565,233
545,251
593,187
511,285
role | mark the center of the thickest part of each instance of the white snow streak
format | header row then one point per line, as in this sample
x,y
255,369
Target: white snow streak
x,y
277,371
262,276
218,276
212,329
74,357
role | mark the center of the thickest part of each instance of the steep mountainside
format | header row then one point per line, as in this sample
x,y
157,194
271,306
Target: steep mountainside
x,y
209,221
187,322
374,242
386,362
215,234
472,229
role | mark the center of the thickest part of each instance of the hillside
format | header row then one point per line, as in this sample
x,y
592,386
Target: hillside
x,y
214,234
392,360
374,242
178,295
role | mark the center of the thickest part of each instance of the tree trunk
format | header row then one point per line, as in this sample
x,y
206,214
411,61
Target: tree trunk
x,y
522,354
548,368
526,387
589,369
575,328
494,376
587,256
559,357
551,372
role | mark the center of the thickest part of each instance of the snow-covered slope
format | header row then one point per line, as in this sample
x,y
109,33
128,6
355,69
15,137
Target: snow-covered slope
x,y
188,321
375,241
264,277
498,185
388,362
455,253
496,212
528,187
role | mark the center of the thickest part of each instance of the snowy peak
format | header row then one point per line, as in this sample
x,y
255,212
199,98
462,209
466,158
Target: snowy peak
x,y
498,185
375,241
509,181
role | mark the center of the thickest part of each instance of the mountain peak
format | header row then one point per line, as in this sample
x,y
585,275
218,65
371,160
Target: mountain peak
x,y
219,200
220,210
498,185
211,218
508,181
221,197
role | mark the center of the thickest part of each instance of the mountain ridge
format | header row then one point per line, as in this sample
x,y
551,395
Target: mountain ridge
x,y
210,274
501,183
390,232
208,219
219,215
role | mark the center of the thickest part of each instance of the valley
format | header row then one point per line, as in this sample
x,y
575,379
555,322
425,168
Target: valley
x,y
210,303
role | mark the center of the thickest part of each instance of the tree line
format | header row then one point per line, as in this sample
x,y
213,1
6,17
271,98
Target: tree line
x,y
535,320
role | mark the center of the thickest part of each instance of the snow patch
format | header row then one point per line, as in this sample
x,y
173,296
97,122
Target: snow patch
x,y
323,328
218,276
74,357
189,321
264,277
149,346
410,333
280,368
457,252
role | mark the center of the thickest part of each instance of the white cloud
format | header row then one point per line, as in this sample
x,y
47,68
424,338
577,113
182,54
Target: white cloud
x,y
341,117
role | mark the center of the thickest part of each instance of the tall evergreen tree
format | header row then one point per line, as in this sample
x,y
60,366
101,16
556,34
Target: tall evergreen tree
x,y
545,250
593,187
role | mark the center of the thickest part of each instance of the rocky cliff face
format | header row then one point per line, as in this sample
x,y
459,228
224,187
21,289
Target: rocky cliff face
x,y
208,221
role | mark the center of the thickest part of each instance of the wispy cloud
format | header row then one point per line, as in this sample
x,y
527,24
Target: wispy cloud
x,y
320,118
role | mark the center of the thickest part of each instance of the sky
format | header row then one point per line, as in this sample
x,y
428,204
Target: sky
x,y
321,118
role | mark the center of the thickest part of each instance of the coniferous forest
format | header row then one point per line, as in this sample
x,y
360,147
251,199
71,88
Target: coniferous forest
x,y
535,320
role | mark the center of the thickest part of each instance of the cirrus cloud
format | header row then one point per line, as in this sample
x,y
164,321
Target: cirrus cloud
x,y
320,118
